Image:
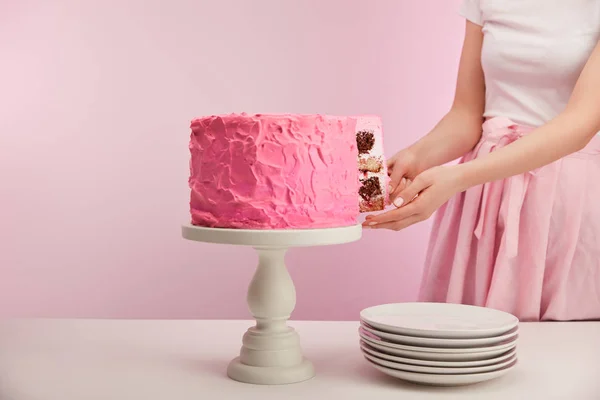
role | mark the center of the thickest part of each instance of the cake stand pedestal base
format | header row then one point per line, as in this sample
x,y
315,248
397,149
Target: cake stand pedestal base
x,y
271,352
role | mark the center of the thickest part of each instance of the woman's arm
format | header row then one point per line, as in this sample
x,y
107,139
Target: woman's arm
x,y
569,132
460,129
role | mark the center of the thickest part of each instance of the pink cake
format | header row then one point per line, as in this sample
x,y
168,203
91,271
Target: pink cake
x,y
285,171
371,164
273,171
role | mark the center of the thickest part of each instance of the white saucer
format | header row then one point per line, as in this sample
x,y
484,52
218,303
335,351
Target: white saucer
x,y
434,342
438,370
371,349
439,320
435,354
445,380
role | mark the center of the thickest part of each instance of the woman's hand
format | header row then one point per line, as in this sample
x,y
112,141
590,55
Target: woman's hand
x,y
420,199
402,169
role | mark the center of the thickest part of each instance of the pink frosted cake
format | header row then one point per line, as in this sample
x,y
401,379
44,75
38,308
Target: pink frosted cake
x,y
284,171
371,164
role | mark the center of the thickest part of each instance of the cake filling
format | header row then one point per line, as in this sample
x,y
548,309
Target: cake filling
x,y
370,188
365,140
371,164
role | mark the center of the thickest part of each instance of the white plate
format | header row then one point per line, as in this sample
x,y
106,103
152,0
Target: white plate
x,y
439,320
434,342
371,349
437,370
428,353
456,350
445,380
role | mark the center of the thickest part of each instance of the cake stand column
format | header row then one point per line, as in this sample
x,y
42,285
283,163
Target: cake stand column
x,y
271,352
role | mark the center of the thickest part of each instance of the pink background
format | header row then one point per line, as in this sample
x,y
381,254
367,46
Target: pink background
x,y
95,102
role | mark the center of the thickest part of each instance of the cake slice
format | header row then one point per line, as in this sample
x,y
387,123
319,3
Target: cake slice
x,y
371,164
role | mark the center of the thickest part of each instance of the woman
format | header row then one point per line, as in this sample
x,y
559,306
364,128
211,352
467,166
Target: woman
x,y
519,223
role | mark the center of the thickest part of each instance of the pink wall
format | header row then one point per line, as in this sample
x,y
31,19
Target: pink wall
x,y
95,102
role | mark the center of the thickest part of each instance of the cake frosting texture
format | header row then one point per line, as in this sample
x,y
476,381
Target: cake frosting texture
x,y
273,171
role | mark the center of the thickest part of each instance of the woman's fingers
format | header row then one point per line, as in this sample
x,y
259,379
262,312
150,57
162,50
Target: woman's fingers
x,y
403,184
390,162
399,225
396,177
392,215
408,193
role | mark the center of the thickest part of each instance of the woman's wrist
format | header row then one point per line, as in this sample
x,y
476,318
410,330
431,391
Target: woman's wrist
x,y
419,155
465,176
446,142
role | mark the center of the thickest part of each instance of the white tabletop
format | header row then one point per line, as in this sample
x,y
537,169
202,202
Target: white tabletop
x,y
180,360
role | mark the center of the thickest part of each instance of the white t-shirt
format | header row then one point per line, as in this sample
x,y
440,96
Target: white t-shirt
x,y
533,52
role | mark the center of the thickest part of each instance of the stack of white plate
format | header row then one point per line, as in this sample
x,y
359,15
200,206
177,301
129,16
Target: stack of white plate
x,y
439,344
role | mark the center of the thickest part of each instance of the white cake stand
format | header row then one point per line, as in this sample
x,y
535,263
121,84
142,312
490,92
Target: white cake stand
x,y
271,353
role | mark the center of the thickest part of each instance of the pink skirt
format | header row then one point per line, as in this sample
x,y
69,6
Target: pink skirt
x,y
528,245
